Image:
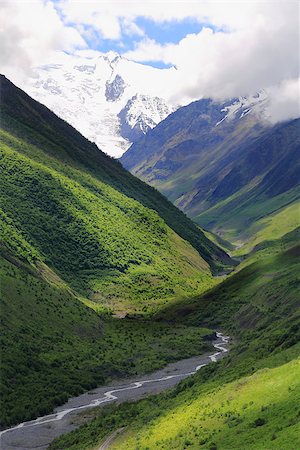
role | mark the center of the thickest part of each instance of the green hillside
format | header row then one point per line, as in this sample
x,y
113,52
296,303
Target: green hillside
x,y
248,400
89,220
105,245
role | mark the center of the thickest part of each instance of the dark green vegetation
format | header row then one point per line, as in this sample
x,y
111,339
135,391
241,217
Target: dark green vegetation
x,y
42,323
250,399
228,175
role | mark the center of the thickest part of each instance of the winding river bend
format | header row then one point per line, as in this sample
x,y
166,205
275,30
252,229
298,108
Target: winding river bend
x,y
37,434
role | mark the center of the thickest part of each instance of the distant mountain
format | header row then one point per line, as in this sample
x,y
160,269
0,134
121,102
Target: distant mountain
x,y
222,164
109,99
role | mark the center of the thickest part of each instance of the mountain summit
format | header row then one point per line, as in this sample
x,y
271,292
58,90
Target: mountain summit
x,y
112,101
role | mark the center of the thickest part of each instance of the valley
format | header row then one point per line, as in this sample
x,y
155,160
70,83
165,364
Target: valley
x,y
108,288
38,434
149,225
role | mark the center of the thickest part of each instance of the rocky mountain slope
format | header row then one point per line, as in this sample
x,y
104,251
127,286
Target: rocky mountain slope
x,y
221,163
109,99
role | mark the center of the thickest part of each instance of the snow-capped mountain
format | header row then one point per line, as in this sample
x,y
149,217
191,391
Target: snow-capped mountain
x,y
140,114
112,101
238,108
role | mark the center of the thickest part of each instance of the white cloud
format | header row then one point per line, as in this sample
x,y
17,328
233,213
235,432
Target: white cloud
x,y
29,33
244,47
225,64
284,101
259,49
232,14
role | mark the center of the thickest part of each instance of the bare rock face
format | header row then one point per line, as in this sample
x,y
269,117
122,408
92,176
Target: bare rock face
x,y
115,89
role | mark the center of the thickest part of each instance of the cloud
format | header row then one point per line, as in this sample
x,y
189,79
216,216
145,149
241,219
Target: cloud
x,y
225,64
29,32
284,103
255,47
243,47
232,14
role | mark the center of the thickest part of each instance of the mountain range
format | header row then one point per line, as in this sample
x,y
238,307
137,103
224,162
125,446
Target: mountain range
x,y
112,101
223,164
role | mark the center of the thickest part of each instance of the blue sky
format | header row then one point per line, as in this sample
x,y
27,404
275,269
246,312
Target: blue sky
x,y
162,33
170,31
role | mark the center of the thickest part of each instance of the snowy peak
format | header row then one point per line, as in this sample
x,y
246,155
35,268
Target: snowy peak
x,y
241,107
140,114
112,101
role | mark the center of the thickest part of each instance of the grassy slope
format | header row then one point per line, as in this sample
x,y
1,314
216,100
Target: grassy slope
x,y
250,396
105,245
43,322
37,126
238,218
272,227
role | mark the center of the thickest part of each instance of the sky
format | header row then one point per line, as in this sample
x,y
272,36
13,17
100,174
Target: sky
x,y
220,49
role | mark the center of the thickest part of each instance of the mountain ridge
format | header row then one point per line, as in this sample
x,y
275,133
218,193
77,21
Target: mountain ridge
x,y
208,163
